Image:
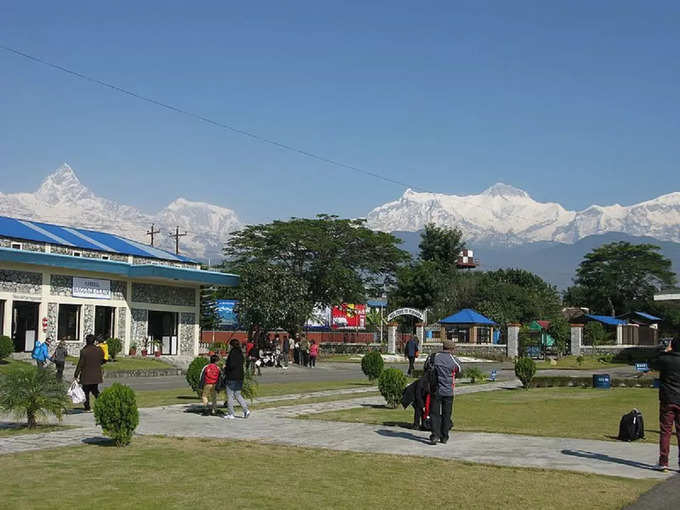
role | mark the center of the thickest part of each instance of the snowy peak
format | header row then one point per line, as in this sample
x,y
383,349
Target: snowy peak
x,y
504,214
63,199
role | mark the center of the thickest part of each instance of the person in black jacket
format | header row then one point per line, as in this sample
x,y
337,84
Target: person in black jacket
x,y
668,365
234,373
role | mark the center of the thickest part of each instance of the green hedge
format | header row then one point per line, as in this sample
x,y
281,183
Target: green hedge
x,y
587,382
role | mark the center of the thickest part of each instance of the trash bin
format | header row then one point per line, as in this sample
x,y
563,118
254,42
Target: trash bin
x,y
656,382
602,381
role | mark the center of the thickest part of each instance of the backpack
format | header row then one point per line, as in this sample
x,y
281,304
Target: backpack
x,y
431,373
632,426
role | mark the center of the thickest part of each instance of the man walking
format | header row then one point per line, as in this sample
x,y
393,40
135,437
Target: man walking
x,y
89,369
445,366
668,365
304,350
285,350
411,351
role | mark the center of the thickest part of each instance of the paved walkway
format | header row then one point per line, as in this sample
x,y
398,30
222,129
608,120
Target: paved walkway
x,y
277,426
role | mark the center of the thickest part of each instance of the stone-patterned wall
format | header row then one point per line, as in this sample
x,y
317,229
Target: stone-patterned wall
x,y
163,295
73,348
6,242
88,320
122,324
90,254
62,285
159,262
187,323
22,282
52,315
140,320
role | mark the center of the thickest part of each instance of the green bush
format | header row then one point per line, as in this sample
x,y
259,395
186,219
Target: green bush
x,y
6,346
32,392
250,384
115,346
580,360
116,411
474,374
372,365
193,375
391,384
525,369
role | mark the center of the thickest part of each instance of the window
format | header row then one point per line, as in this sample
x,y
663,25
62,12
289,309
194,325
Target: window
x,y
105,257
16,246
77,254
483,335
69,322
458,334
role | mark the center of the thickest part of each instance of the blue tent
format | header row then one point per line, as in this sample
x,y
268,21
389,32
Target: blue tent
x,y
468,316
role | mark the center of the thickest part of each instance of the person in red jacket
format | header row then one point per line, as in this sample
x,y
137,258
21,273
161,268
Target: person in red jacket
x,y
210,376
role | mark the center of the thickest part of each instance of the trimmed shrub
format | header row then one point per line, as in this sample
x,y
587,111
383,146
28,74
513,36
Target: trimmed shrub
x,y
115,346
250,384
525,370
6,346
193,375
372,365
474,374
32,392
116,411
391,384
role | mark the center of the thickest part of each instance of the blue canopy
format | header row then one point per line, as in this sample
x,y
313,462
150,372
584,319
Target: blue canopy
x,y
468,316
605,319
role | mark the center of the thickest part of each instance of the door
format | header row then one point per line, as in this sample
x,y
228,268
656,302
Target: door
x,y
103,321
24,325
163,328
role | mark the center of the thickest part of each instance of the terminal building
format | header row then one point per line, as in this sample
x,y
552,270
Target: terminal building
x,y
65,283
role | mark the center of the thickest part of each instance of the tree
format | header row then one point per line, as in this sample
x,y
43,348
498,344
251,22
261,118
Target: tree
x,y
26,390
209,319
322,261
560,331
621,277
441,245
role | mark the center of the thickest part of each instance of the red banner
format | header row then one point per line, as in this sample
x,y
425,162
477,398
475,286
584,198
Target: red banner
x,y
348,315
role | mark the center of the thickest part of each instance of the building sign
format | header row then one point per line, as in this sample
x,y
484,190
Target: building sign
x,y
348,315
226,312
320,318
91,288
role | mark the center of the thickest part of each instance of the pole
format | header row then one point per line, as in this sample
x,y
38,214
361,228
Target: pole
x,y
381,324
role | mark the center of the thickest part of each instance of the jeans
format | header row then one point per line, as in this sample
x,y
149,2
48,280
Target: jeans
x,y
440,413
90,388
312,361
234,392
411,364
60,369
284,359
209,393
668,415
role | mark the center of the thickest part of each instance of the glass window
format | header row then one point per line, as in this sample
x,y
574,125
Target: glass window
x,y
69,322
459,334
483,335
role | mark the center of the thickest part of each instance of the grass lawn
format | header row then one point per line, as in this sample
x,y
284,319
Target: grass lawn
x,y
553,412
21,429
5,364
204,473
570,363
155,398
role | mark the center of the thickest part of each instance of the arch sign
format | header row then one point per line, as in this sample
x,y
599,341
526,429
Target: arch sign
x,y
406,311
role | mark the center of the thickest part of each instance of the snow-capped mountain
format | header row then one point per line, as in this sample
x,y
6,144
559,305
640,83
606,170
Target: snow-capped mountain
x,y
64,200
507,215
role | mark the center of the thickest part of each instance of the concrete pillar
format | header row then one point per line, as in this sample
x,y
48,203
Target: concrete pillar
x,y
512,343
619,334
392,338
576,339
7,318
420,333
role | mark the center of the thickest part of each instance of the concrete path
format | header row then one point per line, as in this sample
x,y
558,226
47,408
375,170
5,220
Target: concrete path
x,y
277,426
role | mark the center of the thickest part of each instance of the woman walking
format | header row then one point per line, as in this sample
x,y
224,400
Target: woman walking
x,y
59,359
313,353
233,373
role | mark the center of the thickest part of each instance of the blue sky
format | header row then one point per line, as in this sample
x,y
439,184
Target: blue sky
x,y
575,102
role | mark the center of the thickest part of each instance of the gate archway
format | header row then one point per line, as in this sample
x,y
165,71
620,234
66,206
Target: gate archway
x,y
392,327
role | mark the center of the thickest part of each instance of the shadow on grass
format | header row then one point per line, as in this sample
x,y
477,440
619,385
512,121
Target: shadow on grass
x,y
99,441
187,397
376,406
607,458
402,435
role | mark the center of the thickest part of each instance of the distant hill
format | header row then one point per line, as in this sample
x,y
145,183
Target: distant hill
x,y
554,262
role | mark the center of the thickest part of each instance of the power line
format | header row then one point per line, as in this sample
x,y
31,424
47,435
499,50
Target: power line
x,y
207,120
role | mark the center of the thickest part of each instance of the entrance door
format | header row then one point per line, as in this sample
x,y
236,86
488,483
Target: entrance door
x,y
24,325
163,328
103,321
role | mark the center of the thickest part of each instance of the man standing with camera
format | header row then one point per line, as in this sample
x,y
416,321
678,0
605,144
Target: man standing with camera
x,y
668,365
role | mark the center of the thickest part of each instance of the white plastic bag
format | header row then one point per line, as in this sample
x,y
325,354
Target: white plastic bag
x,y
76,393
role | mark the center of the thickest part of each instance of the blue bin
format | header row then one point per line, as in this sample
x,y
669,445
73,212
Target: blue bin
x,y
602,381
656,382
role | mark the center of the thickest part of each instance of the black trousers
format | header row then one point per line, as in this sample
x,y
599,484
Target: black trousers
x,y
90,388
60,369
305,358
411,364
441,415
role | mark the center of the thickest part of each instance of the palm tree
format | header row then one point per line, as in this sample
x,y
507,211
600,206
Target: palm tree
x,y
29,391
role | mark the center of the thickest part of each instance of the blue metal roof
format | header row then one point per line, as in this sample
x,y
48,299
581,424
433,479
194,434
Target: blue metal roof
x,y
643,315
82,238
605,319
124,269
377,303
467,316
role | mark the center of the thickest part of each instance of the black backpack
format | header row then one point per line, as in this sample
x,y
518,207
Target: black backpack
x,y
431,373
632,426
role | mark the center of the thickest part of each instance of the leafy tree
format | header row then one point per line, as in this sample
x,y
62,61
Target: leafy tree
x,y
325,261
620,277
419,285
561,332
26,390
209,319
595,333
441,245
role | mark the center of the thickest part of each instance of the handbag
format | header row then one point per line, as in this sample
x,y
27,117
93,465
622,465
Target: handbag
x,y
76,393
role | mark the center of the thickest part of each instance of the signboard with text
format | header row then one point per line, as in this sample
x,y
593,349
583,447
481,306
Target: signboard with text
x,y
226,311
91,288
